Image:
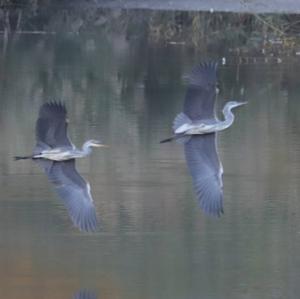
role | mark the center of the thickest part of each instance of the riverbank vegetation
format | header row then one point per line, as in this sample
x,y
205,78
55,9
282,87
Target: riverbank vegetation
x,y
244,33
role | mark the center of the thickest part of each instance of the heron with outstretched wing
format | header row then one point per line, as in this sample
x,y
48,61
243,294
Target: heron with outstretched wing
x,y
196,128
55,153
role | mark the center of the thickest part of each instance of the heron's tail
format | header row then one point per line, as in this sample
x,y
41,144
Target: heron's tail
x,y
22,157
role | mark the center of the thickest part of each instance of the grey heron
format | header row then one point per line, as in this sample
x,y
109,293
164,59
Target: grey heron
x,y
56,154
196,128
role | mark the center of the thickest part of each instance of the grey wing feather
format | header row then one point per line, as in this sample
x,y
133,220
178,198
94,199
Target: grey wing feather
x,y
45,164
206,171
85,294
51,126
180,120
75,194
201,92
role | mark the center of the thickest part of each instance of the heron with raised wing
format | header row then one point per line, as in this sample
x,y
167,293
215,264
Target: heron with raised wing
x,y
196,128
56,154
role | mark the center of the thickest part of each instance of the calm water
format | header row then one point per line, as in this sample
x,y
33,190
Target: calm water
x,y
154,241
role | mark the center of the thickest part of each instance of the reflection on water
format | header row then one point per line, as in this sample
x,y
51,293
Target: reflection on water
x,y
85,294
154,241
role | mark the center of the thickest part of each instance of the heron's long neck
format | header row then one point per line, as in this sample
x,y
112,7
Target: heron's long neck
x,y
86,149
228,117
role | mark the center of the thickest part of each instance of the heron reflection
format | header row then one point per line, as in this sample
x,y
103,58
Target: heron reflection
x,y
85,294
196,128
56,154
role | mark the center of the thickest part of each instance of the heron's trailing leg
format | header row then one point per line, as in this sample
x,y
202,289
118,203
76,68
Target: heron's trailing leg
x,y
180,138
168,139
23,157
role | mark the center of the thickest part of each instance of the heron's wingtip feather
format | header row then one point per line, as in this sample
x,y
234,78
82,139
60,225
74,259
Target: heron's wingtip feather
x,y
210,197
81,210
84,218
202,73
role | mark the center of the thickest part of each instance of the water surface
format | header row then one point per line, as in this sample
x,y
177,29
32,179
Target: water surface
x,y
154,241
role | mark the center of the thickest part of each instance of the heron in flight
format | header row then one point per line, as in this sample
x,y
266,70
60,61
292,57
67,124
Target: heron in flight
x,y
196,128
56,154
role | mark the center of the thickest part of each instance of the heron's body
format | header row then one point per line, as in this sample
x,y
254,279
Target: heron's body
x,y
56,154
202,127
64,153
184,125
196,128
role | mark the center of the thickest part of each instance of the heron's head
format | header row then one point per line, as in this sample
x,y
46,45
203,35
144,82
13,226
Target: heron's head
x,y
96,143
234,104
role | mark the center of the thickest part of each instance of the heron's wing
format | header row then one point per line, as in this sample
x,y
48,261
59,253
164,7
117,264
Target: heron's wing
x,y
85,294
206,171
51,126
74,192
201,92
